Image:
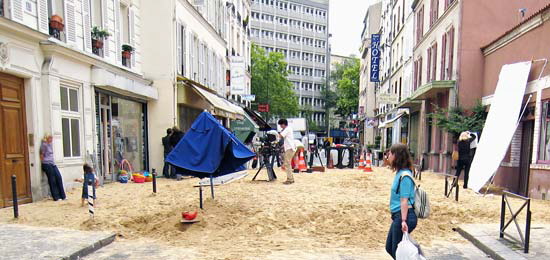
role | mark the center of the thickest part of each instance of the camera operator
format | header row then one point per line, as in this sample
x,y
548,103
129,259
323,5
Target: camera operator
x,y
290,148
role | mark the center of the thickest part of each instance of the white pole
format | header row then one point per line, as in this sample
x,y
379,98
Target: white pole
x,y
91,198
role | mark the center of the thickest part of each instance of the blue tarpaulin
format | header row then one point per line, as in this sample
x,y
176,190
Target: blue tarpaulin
x,y
209,150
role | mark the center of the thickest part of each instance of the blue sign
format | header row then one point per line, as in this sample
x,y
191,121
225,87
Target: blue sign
x,y
375,58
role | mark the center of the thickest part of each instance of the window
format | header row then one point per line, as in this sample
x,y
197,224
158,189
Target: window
x,y
70,121
434,61
419,24
450,39
429,65
443,56
448,3
434,12
544,150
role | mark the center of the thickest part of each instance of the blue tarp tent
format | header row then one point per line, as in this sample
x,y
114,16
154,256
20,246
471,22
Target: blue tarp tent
x,y
209,150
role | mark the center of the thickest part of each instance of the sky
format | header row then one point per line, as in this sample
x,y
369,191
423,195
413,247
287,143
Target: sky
x,y
346,24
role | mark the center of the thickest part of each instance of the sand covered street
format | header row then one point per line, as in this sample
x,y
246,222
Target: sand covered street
x,y
339,212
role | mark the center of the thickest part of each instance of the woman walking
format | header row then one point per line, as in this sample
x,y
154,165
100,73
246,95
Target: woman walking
x,y
401,198
48,166
464,157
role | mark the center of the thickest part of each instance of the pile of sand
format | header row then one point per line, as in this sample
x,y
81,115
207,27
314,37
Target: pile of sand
x,y
342,209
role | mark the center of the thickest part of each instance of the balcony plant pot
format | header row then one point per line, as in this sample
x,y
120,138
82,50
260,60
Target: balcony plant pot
x,y
127,54
97,43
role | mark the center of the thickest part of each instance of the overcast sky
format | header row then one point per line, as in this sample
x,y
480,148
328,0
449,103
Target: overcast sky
x,y
346,25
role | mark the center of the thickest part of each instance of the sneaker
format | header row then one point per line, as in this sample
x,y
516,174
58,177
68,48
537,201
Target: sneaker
x,y
288,182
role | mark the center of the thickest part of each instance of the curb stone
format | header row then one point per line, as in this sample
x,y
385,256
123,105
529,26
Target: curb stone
x,y
490,246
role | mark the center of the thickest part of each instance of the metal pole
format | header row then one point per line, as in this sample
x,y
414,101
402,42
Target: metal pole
x,y
502,212
446,185
528,227
154,174
456,192
14,196
200,195
212,185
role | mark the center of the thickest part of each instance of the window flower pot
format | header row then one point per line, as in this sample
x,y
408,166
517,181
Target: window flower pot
x,y
97,43
127,54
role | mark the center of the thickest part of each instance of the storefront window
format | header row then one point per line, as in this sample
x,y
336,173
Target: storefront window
x,y
187,116
544,151
128,137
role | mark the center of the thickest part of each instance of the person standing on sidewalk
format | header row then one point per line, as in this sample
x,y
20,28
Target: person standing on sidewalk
x,y
290,149
464,156
167,169
55,180
403,217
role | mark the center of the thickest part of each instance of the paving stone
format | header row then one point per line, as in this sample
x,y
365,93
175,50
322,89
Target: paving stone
x,y
486,237
25,242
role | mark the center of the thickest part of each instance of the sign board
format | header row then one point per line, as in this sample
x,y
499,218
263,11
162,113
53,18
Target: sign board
x,y
375,58
387,98
238,84
371,122
263,108
248,97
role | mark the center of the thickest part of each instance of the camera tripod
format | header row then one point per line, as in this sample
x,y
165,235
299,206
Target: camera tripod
x,y
268,164
314,153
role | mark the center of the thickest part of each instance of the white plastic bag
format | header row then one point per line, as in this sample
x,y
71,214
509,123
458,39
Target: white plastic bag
x,y
408,249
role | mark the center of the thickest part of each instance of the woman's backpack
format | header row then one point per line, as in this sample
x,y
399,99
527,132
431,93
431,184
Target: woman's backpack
x,y
421,203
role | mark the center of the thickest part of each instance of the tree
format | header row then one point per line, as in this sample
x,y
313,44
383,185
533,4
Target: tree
x,y
346,76
270,85
307,112
456,120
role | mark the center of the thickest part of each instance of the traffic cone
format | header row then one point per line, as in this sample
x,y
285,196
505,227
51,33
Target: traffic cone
x,y
302,162
368,167
361,162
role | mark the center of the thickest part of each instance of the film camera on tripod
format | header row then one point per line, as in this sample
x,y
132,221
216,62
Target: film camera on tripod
x,y
269,149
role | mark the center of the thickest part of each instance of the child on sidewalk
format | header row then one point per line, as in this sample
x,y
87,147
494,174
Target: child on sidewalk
x,y
89,176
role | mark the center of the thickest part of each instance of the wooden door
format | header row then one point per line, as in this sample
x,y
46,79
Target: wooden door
x,y
525,157
13,138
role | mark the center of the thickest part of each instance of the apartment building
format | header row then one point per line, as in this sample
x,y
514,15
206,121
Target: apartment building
x,y
190,61
367,87
299,30
59,77
448,62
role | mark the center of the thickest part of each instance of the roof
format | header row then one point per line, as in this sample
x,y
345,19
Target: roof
x,y
539,12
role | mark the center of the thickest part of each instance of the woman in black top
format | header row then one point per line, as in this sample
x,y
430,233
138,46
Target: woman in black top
x,y
464,157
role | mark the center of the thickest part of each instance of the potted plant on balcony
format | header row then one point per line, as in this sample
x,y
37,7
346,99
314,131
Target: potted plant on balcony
x,y
127,51
98,36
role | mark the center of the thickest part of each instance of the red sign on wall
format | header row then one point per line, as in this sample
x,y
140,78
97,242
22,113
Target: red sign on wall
x,y
263,108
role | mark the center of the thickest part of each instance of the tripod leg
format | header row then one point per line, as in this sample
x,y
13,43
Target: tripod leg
x,y
270,169
262,165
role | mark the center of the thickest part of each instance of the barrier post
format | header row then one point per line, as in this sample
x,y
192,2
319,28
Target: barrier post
x,y
502,216
154,174
14,196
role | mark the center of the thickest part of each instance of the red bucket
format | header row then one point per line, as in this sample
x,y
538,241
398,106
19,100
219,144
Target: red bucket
x,y
139,179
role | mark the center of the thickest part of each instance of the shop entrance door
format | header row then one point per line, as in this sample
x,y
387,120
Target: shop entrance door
x,y
13,141
105,140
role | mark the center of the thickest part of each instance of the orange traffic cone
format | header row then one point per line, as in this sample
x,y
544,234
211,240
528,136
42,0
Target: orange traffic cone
x,y
302,162
361,162
368,167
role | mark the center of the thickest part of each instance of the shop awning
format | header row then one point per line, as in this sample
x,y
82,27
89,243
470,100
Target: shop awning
x,y
501,123
264,126
221,106
389,123
431,89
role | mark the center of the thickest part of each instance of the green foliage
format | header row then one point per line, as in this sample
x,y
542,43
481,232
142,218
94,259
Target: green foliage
x,y
126,47
346,76
457,120
98,33
307,111
270,85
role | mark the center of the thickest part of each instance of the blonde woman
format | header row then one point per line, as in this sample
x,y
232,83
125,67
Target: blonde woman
x,y
464,156
48,166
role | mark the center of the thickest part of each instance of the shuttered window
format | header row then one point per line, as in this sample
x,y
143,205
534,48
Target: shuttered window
x,y
70,121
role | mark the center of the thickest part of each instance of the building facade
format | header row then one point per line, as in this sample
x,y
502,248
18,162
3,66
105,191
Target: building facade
x,y
367,87
190,62
299,30
525,169
57,79
430,60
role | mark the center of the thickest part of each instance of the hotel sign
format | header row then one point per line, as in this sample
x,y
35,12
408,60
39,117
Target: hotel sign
x,y
375,58
387,98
